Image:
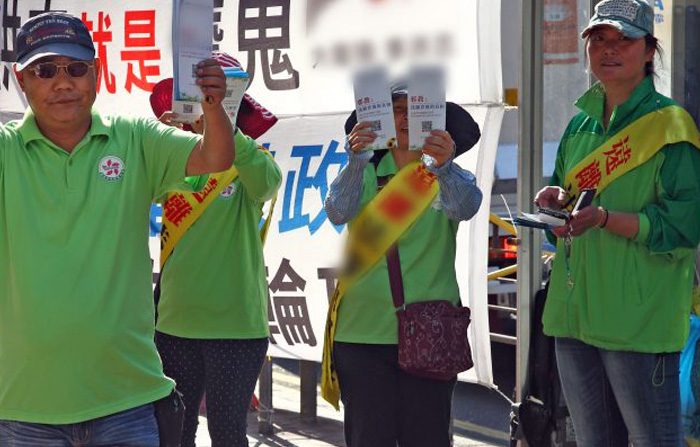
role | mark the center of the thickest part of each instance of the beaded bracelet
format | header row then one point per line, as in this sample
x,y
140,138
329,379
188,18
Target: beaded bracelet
x,y
605,219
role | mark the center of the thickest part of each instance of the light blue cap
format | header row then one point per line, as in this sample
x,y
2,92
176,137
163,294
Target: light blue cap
x,y
633,18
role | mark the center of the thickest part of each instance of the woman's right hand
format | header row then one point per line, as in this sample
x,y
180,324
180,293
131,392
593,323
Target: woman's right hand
x,y
553,197
361,136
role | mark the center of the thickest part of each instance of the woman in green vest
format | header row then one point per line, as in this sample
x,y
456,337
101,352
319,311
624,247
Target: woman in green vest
x,y
212,330
620,289
384,405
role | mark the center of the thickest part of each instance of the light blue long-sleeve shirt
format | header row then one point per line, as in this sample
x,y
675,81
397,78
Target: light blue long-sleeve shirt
x,y
459,195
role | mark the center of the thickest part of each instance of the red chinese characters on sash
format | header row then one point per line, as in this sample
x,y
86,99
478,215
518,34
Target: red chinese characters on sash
x,y
618,155
176,208
210,186
589,177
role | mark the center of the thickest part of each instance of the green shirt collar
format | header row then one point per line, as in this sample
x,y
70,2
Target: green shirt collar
x,y
29,130
387,165
592,102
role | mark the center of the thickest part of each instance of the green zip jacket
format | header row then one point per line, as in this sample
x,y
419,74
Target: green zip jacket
x,y
629,294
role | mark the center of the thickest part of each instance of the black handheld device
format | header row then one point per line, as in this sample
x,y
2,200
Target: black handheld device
x,y
584,199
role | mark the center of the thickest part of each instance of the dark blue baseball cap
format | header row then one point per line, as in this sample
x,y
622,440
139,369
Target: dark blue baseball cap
x,y
53,34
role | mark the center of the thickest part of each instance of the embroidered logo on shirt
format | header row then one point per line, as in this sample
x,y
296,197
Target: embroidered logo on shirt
x,y
229,191
111,168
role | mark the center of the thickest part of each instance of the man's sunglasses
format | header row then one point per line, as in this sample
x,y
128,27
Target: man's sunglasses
x,y
47,70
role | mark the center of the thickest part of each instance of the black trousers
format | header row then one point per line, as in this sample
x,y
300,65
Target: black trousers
x,y
227,370
385,406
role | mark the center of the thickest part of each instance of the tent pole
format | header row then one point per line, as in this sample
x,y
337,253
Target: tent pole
x,y
529,177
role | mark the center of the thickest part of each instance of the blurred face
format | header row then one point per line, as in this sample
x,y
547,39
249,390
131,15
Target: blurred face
x,y
616,59
401,121
64,100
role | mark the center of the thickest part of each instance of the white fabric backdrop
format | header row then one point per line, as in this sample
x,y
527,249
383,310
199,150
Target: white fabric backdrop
x,y
303,54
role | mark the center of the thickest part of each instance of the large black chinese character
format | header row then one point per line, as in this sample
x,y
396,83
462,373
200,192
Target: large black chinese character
x,y
293,320
263,25
274,329
47,8
218,31
287,279
329,275
11,22
290,313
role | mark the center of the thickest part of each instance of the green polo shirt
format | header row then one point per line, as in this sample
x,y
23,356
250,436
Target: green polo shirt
x,y
629,294
213,285
427,253
76,311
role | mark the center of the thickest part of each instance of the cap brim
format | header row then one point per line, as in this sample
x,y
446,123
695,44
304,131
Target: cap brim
x,y
71,50
458,122
627,29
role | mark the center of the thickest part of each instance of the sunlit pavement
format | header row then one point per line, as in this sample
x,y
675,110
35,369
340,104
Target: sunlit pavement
x,y
290,430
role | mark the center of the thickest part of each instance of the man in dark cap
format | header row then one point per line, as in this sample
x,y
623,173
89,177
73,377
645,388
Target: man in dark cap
x,y
78,365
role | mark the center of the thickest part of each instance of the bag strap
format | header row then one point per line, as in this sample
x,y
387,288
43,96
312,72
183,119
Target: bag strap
x,y
395,278
393,261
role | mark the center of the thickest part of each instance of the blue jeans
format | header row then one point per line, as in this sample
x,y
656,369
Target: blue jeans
x,y
131,428
616,395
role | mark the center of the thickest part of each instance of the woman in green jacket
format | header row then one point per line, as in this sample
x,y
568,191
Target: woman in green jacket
x,y
620,289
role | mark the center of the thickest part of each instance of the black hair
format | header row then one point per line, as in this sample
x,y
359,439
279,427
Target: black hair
x,y
652,42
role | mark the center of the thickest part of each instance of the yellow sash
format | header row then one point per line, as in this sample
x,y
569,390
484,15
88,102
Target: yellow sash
x,y
631,147
182,209
380,224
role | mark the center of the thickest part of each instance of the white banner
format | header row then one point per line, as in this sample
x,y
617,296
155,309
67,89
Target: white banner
x,y
663,30
300,56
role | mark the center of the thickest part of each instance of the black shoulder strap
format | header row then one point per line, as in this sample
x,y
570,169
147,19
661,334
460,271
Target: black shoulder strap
x,y
393,261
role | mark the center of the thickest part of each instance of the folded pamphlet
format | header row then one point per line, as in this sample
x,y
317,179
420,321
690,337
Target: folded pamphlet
x,y
192,37
373,104
236,84
426,104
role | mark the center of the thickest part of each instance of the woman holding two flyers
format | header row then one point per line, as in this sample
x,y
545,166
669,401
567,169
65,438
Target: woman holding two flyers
x,y
384,405
620,290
